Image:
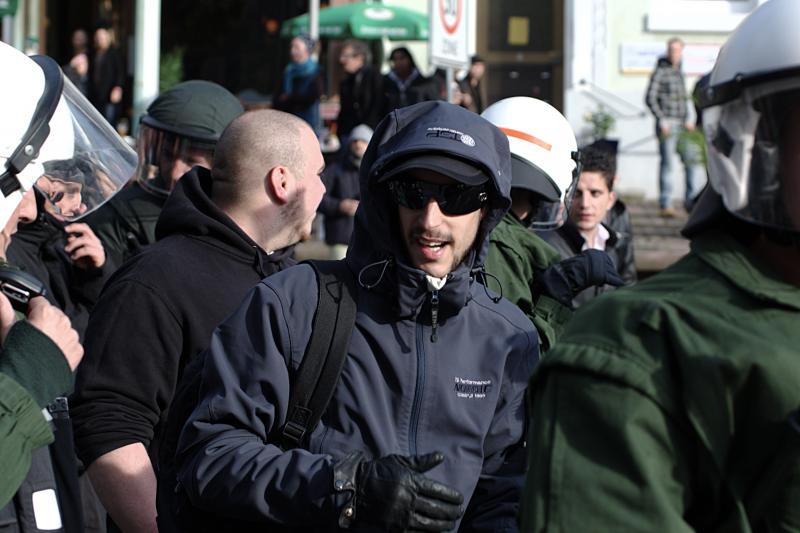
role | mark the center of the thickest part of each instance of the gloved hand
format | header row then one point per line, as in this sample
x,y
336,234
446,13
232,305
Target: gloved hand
x,y
392,494
562,281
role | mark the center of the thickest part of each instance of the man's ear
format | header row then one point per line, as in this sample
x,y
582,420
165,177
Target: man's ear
x,y
277,184
612,198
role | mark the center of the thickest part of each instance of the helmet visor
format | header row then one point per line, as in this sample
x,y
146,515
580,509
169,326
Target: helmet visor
x,y
165,156
78,179
754,154
548,210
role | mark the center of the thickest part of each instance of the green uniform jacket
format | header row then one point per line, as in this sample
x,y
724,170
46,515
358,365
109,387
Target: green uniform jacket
x,y
516,254
666,406
33,372
127,222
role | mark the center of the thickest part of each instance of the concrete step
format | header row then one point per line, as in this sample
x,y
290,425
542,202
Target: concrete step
x,y
657,241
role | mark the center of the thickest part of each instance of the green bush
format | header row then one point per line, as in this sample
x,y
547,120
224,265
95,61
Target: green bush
x,y
601,122
692,147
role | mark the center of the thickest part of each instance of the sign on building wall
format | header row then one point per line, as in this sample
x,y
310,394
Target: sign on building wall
x,y
450,33
640,58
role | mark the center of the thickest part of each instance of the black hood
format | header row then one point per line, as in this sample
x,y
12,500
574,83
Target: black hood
x,y
434,127
190,211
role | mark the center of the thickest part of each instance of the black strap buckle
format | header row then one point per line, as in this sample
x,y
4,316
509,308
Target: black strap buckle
x,y
295,429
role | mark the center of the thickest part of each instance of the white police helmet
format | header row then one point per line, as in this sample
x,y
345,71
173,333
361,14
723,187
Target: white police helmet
x,y
52,138
543,154
751,118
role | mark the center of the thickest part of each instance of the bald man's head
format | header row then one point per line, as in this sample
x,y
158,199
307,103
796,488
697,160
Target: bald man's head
x,y
250,147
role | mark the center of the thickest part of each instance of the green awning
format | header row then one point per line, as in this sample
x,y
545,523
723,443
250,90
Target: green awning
x,y
8,7
363,21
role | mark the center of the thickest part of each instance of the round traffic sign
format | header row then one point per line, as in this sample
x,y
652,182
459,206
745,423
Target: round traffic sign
x,y
450,12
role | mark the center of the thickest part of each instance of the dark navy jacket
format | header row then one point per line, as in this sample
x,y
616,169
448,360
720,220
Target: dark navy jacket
x,y
341,182
400,392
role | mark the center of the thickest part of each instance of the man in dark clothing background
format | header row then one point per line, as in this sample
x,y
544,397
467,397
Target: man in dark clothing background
x,y
424,429
221,231
178,131
471,93
342,193
405,84
361,91
106,75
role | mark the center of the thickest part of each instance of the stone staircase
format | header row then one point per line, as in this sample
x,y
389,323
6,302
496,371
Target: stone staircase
x,y
657,241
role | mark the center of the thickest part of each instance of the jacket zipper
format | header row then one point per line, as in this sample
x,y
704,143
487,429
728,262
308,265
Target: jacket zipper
x,y
416,406
434,314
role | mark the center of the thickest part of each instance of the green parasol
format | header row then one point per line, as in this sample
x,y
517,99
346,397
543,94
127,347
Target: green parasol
x,y
363,21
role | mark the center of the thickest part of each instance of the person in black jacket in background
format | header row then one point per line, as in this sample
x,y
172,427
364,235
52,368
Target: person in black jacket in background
x,y
342,193
594,197
404,84
106,75
221,231
360,92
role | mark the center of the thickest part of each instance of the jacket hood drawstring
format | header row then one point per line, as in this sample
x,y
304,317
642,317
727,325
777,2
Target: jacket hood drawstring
x,y
480,274
258,262
384,263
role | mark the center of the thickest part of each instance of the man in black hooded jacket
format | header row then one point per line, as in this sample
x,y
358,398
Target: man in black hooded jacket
x,y
220,232
73,277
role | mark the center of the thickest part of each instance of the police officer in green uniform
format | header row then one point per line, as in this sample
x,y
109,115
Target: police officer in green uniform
x,y
673,405
178,131
544,169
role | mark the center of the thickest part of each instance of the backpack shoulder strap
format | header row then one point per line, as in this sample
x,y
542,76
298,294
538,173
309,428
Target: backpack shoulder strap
x,y
313,385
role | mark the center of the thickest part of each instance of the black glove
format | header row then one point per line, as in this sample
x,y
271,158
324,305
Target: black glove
x,y
393,495
562,281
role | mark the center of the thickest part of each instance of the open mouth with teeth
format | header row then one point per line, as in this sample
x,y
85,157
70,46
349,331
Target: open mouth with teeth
x,y
431,249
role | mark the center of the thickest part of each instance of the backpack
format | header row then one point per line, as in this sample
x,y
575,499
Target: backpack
x,y
312,387
316,378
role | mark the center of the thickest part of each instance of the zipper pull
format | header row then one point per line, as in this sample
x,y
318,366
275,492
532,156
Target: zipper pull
x,y
434,314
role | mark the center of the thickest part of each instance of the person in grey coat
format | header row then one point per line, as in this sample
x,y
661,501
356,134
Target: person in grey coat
x,y
425,429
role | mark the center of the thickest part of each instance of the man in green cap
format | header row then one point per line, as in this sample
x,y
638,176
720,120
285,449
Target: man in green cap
x,y
674,405
178,131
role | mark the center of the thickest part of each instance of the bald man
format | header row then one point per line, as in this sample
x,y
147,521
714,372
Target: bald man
x,y
220,232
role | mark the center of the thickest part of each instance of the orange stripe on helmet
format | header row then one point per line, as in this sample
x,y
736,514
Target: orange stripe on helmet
x,y
526,137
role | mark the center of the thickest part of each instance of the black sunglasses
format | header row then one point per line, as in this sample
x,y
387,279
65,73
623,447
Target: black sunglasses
x,y
457,199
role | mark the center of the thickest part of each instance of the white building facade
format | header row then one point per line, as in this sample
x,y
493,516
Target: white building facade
x,y
610,49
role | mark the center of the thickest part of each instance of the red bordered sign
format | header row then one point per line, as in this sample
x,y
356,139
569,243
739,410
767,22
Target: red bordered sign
x,y
450,12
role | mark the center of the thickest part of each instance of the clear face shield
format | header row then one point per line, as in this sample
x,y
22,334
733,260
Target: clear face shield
x,y
166,156
100,163
754,154
551,210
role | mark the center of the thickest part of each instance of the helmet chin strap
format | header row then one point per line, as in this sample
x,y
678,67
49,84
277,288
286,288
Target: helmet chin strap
x,y
38,129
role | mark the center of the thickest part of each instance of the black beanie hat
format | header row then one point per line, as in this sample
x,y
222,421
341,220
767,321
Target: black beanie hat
x,y
196,109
